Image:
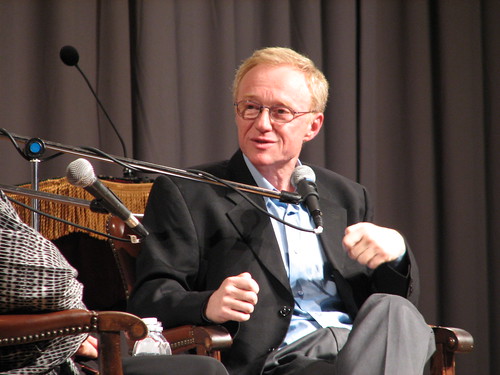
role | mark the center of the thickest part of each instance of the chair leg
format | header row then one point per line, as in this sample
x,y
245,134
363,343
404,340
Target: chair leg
x,y
449,341
110,361
443,361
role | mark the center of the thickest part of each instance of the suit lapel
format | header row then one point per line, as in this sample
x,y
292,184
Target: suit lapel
x,y
334,219
254,226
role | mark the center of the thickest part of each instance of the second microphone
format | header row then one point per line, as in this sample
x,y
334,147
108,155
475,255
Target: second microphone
x,y
80,173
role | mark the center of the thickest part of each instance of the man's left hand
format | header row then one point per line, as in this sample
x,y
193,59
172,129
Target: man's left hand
x,y
372,245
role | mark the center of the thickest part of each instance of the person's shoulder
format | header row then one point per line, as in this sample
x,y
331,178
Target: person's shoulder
x,y
218,168
183,180
327,175
233,169
334,186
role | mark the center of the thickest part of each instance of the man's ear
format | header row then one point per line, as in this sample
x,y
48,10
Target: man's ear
x,y
314,127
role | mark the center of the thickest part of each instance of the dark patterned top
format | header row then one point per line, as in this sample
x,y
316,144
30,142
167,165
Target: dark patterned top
x,y
35,277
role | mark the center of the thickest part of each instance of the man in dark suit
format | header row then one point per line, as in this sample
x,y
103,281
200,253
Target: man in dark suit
x,y
342,302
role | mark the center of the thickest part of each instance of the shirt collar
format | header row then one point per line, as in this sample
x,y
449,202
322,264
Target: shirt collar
x,y
257,176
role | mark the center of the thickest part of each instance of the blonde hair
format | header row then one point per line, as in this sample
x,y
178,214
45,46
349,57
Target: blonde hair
x,y
316,81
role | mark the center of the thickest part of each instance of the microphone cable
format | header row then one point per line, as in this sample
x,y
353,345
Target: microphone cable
x,y
70,56
20,150
113,159
254,204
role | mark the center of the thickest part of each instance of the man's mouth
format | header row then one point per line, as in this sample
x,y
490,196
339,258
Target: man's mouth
x,y
262,141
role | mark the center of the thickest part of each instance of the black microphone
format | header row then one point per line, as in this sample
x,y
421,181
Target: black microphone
x,y
69,56
303,179
81,174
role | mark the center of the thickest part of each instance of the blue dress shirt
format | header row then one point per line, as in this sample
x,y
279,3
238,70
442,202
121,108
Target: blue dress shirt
x,y
317,302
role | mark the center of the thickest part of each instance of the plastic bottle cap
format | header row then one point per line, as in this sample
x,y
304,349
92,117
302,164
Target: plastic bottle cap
x,y
150,321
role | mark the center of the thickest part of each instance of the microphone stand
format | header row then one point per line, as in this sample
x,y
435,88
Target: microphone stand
x,y
284,196
35,218
46,196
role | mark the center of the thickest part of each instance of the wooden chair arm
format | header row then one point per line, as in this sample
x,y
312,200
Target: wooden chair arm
x,y
448,342
454,339
28,328
207,340
116,321
20,329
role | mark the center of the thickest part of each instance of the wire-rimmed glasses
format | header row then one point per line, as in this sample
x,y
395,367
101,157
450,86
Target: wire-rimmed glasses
x,y
250,110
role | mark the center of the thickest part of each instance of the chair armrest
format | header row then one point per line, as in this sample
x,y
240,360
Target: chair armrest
x,y
448,342
207,340
116,321
454,339
28,328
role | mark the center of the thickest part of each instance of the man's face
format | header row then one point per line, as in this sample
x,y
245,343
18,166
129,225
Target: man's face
x,y
266,143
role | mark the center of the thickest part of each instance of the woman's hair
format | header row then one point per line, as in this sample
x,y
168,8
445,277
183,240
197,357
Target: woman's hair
x,y
316,81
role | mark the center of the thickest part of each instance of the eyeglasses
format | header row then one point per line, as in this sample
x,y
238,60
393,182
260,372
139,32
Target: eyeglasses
x,y
250,110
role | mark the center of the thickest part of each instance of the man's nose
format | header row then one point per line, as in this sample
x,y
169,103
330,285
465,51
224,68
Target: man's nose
x,y
263,121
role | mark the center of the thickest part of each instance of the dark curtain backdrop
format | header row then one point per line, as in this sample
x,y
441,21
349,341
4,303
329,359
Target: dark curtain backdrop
x,y
413,112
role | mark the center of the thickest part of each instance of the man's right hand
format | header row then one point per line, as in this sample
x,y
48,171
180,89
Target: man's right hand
x,y
234,300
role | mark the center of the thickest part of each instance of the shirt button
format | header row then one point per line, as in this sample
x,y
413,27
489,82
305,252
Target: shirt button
x,y
285,311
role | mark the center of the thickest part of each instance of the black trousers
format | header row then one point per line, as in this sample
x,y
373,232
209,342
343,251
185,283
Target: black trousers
x,y
179,364
173,365
389,336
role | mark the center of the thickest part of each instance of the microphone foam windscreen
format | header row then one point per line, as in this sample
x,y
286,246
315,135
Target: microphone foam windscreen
x,y
80,173
69,55
302,172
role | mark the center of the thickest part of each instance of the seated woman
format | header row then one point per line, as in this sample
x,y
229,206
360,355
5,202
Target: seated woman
x,y
35,277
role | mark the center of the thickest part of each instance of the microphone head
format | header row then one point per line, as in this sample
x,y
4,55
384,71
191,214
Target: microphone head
x,y
80,173
302,172
69,55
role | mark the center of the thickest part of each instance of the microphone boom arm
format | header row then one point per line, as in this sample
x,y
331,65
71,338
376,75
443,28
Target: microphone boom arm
x,y
287,197
46,196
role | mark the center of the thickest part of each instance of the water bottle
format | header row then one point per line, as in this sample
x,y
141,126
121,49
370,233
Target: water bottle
x,y
154,343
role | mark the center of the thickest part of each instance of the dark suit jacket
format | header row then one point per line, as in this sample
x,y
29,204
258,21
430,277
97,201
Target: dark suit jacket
x,y
202,233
